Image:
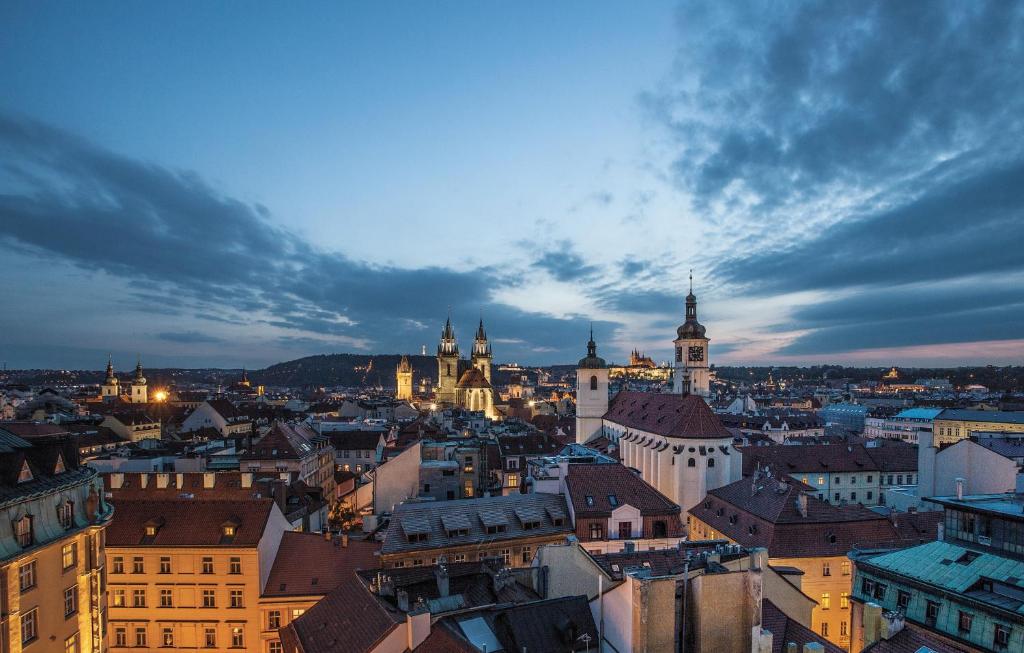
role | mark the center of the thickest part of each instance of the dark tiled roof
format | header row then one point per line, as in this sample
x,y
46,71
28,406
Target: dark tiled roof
x,y
661,562
430,519
671,415
785,630
284,441
444,639
355,440
226,409
530,444
764,513
474,582
32,429
189,522
602,482
807,458
307,564
551,625
348,619
915,639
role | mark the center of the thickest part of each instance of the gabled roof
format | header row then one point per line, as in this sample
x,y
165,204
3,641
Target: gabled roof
x,y
670,415
284,441
189,522
473,378
308,564
529,444
355,440
785,630
348,619
226,409
764,512
887,456
593,487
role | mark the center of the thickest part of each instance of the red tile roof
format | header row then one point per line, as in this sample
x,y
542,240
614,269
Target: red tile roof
x,y
671,415
600,482
284,442
189,522
348,619
890,456
785,630
308,564
765,513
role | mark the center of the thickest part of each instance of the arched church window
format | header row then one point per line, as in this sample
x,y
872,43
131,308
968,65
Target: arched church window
x,y
593,382
711,462
691,462
679,354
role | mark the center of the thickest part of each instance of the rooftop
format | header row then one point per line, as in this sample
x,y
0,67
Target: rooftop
x,y
1009,505
598,489
466,521
670,415
994,416
308,564
192,522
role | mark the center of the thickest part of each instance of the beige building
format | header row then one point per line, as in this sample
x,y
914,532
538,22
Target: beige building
x,y
188,573
954,425
51,543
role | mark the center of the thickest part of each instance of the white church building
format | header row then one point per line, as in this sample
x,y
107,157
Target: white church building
x,y
674,439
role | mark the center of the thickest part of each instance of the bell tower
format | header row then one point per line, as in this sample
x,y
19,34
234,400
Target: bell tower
x,y
447,365
140,394
403,378
111,388
690,374
591,394
482,352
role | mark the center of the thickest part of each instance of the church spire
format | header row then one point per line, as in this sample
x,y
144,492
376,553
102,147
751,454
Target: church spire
x,y
139,377
448,346
481,347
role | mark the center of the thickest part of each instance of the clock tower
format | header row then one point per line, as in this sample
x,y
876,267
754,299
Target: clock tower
x,y
690,374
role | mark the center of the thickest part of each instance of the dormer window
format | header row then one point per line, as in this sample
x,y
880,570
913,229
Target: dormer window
x,y
25,475
229,531
59,468
66,514
613,500
23,531
590,500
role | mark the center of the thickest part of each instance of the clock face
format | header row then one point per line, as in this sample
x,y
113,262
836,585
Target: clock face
x,y
696,353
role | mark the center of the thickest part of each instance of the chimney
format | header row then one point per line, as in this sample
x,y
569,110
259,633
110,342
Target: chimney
x,y
441,575
116,480
960,488
872,623
628,547
246,479
759,558
403,600
209,480
801,504
180,480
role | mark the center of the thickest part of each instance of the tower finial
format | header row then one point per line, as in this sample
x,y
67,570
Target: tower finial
x,y
691,281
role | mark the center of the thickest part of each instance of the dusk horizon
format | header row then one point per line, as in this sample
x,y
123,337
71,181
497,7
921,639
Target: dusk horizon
x,y
337,180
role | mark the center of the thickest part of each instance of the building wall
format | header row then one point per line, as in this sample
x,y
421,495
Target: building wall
x,y
829,575
187,619
948,431
396,480
710,596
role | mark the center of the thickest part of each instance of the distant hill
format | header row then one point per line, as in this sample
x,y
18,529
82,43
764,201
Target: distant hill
x,y
344,370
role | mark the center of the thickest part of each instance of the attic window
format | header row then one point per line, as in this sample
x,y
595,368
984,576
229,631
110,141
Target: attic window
x,y
23,531
590,500
831,538
25,475
613,500
752,529
59,468
66,514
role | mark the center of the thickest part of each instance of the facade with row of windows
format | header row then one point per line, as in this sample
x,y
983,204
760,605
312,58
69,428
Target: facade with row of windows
x,y
52,548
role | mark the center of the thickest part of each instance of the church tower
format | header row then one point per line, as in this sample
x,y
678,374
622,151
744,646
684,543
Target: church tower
x,y
591,394
691,374
140,394
482,352
111,388
403,378
447,365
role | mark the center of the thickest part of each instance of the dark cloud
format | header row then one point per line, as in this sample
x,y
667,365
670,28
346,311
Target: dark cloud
x,y
786,99
563,263
178,242
188,337
648,302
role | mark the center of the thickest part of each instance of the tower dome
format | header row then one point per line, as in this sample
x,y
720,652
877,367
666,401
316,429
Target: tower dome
x,y
592,360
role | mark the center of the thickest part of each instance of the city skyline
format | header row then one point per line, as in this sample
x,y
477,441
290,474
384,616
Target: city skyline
x,y
334,179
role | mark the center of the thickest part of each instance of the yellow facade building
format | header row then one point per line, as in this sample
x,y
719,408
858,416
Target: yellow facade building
x,y
51,543
954,425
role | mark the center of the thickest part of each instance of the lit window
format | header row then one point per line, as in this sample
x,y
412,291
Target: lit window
x,y
71,644
297,612
69,555
844,600
237,637
119,600
826,601
167,637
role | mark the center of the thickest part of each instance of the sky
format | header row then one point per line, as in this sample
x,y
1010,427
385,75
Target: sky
x,y
220,184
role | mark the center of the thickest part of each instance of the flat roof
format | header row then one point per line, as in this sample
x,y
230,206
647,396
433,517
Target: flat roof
x,y
1009,504
994,416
